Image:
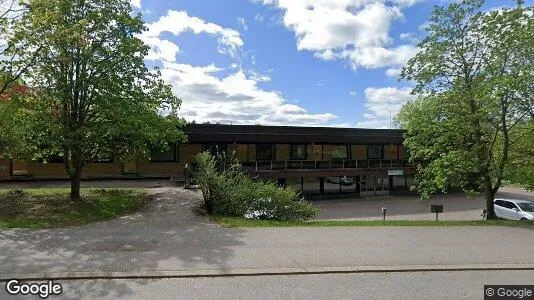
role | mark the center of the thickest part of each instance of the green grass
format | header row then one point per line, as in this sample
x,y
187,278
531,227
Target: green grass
x,y
44,208
240,222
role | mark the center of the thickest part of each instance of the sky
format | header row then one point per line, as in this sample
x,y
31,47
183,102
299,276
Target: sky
x,y
331,63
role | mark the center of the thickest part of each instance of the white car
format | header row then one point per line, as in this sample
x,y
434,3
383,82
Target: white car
x,y
513,209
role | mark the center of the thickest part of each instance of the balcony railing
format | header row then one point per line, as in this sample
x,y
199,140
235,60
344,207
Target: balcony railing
x,y
273,165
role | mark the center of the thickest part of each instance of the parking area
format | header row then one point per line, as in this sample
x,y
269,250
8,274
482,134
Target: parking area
x,y
456,206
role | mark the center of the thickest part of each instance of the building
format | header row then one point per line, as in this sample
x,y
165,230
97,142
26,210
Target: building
x,y
314,160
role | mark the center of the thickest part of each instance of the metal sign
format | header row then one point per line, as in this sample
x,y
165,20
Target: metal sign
x,y
395,172
436,209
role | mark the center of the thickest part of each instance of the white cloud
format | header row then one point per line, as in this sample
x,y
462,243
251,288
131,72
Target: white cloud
x,y
161,49
393,72
409,37
135,3
352,93
177,22
352,30
259,18
243,23
235,98
382,104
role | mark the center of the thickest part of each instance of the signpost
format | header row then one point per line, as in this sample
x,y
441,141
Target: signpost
x,y
437,209
395,172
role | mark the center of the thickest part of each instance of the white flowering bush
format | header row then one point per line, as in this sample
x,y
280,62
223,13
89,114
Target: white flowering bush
x,y
229,191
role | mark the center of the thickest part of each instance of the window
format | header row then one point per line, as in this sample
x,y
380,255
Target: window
x,y
216,149
52,159
375,152
499,203
264,152
297,152
164,155
340,152
103,158
405,152
509,205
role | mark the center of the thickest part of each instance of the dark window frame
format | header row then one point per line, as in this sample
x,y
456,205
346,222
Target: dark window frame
x,y
291,146
52,159
273,151
347,152
174,159
109,160
381,151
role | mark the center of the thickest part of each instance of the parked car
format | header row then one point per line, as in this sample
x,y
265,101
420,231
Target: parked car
x,y
513,209
340,180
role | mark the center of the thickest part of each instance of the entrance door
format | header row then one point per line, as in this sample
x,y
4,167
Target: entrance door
x,y
374,185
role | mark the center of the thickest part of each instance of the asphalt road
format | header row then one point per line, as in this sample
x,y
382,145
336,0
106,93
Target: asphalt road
x,y
167,236
418,285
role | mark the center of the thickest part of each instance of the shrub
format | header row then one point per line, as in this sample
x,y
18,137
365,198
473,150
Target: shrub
x,y
228,191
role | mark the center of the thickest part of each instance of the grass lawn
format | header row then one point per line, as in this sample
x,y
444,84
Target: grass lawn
x,y
240,222
42,208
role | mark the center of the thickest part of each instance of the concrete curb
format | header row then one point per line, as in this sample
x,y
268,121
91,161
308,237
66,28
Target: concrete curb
x,y
154,274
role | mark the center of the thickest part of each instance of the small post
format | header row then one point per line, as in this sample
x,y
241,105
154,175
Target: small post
x,y
437,209
384,211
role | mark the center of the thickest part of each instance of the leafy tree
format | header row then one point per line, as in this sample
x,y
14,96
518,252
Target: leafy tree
x,y
91,93
473,80
11,68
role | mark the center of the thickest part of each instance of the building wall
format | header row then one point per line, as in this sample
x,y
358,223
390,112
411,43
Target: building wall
x,y
401,152
282,152
147,168
359,152
186,154
315,153
251,152
4,169
390,151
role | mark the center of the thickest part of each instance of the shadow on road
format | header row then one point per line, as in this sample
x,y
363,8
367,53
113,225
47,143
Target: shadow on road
x,y
165,235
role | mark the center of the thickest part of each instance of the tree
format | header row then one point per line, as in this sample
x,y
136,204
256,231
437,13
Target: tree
x,y
11,68
473,79
91,93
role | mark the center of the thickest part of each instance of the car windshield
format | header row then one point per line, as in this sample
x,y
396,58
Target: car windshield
x,y
526,206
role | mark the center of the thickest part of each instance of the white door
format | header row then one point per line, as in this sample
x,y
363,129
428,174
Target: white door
x,y
515,212
509,211
498,207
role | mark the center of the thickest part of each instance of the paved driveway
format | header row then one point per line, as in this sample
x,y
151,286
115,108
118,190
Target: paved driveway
x,y
165,232
456,206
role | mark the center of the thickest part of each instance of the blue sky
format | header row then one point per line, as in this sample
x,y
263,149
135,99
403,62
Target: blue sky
x,y
287,62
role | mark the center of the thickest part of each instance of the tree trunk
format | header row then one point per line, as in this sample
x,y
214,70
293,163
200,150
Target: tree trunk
x,y
75,180
489,194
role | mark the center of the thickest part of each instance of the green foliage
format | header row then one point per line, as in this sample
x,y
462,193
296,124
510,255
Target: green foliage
x,y
91,92
39,208
521,167
473,79
228,191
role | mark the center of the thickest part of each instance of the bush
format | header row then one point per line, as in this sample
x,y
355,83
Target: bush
x,y
228,191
